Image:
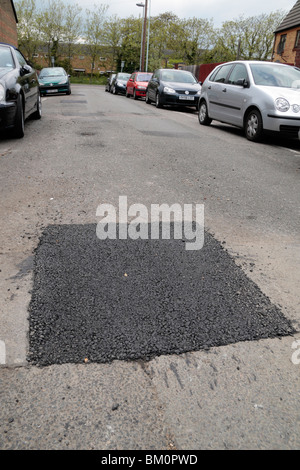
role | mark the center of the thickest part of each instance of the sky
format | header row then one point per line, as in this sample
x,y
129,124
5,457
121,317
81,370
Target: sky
x,y
217,10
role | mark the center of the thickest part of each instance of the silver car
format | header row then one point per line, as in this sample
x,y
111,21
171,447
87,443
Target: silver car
x,y
256,96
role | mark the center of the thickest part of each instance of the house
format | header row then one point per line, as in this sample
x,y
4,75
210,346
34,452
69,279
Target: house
x,y
8,23
287,38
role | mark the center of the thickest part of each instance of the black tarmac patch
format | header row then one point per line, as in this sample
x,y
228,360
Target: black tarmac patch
x,y
103,300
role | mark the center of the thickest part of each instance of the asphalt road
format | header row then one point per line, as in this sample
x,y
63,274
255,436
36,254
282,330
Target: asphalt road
x,y
140,344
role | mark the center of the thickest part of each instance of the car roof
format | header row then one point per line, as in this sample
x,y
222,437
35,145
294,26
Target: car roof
x,y
6,44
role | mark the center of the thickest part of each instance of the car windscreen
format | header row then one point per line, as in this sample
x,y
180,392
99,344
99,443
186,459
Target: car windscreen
x,y
143,77
52,73
276,75
179,77
123,76
6,58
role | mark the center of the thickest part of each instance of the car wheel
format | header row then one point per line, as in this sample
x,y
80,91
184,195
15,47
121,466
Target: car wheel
x,y
148,101
38,112
204,119
254,125
158,101
69,91
115,91
19,119
127,94
134,95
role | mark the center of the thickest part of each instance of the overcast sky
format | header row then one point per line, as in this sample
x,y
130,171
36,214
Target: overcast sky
x,y
218,10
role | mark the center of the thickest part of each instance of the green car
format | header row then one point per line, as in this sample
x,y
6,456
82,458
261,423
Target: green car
x,y
54,80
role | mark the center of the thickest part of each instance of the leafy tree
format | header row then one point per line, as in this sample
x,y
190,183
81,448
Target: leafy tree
x,y
245,38
129,52
72,32
52,28
193,37
112,30
28,27
94,32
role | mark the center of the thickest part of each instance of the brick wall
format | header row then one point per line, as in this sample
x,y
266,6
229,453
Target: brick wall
x,y
289,53
8,25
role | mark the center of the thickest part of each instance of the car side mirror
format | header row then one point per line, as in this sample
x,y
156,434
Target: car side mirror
x,y
25,69
242,82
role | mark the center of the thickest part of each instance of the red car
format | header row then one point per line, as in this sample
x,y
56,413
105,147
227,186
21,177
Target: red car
x,y
137,85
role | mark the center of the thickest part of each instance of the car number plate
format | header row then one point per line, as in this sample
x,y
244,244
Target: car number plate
x,y
186,97
52,91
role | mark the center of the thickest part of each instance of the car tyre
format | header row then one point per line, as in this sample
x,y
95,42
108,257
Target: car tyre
x,y
127,94
158,103
38,112
204,119
254,126
115,91
134,95
148,101
19,119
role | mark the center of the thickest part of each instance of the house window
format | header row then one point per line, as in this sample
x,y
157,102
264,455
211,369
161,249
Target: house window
x,y
280,47
297,42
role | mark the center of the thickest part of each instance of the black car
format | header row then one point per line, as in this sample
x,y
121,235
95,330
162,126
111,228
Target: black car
x,y
173,88
19,90
119,83
109,82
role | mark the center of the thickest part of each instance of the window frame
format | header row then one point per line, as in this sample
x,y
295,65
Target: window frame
x,y
281,44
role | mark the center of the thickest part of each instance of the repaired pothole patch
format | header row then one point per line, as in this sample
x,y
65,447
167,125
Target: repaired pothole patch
x,y
103,300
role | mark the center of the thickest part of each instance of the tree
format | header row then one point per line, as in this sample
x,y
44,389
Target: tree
x,y
72,32
112,37
28,27
129,52
245,38
94,32
52,28
193,37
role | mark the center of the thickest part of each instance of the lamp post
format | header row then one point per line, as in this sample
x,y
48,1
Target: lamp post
x,y
148,36
142,37
144,34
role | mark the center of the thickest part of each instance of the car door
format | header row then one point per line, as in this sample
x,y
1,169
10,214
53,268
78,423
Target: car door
x,y
28,82
153,85
235,94
215,92
130,84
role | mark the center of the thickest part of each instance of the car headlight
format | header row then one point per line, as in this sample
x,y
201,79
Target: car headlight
x,y
141,88
295,108
169,90
120,84
281,104
199,92
62,82
2,93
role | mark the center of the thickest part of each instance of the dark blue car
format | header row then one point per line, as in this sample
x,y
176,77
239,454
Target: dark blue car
x,y
19,91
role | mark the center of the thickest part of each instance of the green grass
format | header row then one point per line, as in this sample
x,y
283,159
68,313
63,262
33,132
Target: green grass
x,y
89,80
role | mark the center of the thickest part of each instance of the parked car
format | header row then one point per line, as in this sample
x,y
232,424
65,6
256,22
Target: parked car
x,y
255,96
109,81
54,80
119,83
19,90
173,87
137,85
